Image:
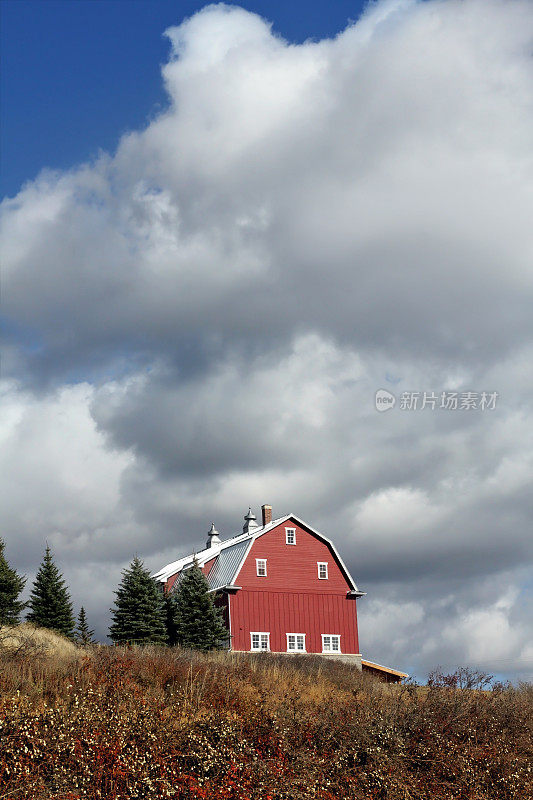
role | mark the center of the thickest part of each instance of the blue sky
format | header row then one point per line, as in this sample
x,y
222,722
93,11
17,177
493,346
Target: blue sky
x,y
76,74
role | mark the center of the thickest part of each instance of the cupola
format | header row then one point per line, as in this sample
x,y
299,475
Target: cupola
x,y
250,522
212,536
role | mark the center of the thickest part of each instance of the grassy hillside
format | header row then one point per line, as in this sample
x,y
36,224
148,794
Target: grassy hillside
x,y
26,641
156,723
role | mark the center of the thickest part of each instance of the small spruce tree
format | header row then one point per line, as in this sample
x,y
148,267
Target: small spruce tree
x,y
199,623
50,600
11,585
83,635
139,615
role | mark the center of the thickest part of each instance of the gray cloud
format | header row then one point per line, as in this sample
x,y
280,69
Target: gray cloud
x,y
201,320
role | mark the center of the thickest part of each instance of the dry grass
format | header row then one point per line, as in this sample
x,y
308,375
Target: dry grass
x,y
28,640
156,723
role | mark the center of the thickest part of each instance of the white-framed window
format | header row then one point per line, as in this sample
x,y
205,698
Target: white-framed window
x,y
259,641
296,643
290,535
322,570
331,643
261,566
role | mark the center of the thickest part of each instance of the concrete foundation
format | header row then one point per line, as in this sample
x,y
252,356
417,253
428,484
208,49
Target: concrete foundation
x,y
354,659
348,658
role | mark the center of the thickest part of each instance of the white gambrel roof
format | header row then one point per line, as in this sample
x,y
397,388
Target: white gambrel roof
x,y
231,554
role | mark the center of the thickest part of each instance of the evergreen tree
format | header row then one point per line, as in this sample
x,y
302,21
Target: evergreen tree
x,y
169,602
50,600
198,622
84,635
11,585
139,614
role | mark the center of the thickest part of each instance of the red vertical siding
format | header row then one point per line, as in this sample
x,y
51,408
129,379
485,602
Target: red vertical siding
x,y
279,613
292,598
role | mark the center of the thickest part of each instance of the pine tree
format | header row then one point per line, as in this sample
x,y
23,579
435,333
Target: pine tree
x,y
50,600
11,585
198,622
83,635
169,602
139,614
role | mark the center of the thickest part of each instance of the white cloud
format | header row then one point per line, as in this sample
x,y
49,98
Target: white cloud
x,y
60,482
396,511
489,637
447,631
201,320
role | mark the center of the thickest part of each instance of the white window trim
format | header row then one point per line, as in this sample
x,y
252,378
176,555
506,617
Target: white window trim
x,y
322,564
287,530
262,561
259,649
330,635
296,650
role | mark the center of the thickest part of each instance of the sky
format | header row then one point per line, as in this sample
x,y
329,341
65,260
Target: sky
x,y
102,60
224,230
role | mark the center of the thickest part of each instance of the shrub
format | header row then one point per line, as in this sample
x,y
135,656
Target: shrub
x,y
152,722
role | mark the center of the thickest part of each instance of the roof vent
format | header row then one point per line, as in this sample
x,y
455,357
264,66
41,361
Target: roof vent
x,y
212,536
250,522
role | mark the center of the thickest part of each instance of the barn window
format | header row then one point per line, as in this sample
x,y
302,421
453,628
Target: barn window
x,y
261,564
322,570
260,641
331,643
296,643
290,535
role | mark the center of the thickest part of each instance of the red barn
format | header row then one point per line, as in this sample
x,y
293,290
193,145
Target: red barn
x,y
283,586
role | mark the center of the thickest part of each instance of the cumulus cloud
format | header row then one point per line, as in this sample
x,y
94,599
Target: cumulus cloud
x,y
200,320
60,482
488,627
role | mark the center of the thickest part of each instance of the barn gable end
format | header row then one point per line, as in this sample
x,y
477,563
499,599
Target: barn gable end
x,y
292,566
